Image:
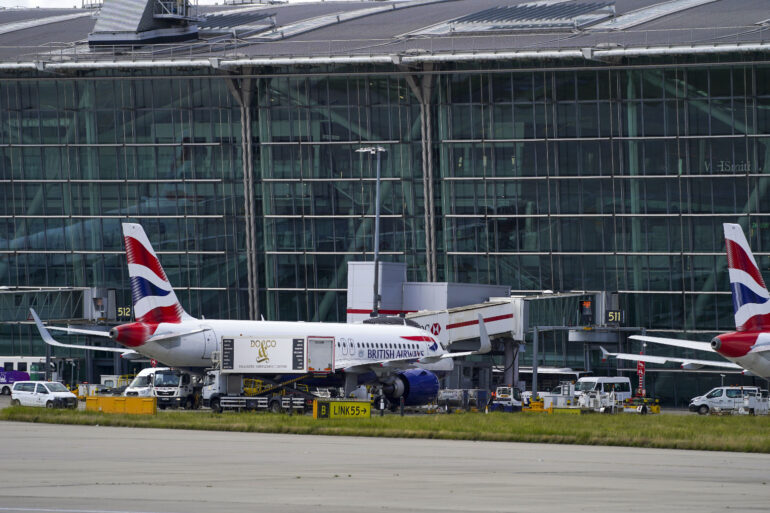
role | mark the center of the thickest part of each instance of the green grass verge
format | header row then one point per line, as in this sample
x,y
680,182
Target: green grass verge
x,y
737,433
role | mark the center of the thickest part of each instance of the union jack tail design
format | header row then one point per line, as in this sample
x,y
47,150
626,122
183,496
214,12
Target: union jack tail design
x,y
751,301
153,296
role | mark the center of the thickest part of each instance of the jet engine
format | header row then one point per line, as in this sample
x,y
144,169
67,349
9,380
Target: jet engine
x,y
416,386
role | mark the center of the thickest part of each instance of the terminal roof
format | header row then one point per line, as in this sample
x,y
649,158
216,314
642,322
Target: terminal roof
x,y
399,32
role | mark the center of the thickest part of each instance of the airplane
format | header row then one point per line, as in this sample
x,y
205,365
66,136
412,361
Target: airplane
x,y
398,357
748,347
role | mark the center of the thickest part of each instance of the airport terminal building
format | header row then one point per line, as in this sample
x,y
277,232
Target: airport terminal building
x,y
546,146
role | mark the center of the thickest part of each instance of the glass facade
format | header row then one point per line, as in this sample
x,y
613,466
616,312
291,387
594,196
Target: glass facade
x,y
605,178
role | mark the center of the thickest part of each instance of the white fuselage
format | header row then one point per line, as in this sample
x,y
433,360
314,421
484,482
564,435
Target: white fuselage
x,y
756,363
355,344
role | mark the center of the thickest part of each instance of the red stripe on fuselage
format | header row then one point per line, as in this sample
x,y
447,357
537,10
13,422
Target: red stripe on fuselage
x,y
738,259
419,338
138,254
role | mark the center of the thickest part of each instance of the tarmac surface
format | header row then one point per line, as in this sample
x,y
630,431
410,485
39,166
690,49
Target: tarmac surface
x,y
94,469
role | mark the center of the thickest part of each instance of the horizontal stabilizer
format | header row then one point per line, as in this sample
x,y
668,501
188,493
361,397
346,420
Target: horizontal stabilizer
x,y
76,331
167,336
686,363
48,339
675,342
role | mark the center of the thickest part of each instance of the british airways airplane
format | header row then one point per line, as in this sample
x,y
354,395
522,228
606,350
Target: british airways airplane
x,y
748,347
400,358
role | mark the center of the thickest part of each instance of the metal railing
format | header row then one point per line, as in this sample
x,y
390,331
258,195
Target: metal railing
x,y
235,49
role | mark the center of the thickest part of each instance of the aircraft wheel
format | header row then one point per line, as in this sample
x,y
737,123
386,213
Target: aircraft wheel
x,y
703,410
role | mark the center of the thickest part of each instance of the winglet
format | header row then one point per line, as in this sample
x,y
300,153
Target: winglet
x,y
486,344
605,353
47,338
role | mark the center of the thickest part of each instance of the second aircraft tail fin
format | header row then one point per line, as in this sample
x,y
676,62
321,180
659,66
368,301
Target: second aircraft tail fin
x,y
751,300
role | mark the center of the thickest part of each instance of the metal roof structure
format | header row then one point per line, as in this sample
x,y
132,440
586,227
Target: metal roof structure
x,y
391,32
533,13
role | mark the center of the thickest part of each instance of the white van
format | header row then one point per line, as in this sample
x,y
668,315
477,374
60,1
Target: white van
x,y
722,399
144,383
50,394
621,385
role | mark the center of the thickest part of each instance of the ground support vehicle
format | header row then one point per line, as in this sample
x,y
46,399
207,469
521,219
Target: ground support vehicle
x,y
722,400
620,386
267,373
562,396
507,399
641,405
143,384
472,399
48,394
755,404
225,391
599,402
89,389
174,388
113,384
177,389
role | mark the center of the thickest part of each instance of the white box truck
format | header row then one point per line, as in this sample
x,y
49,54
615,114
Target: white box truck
x,y
259,373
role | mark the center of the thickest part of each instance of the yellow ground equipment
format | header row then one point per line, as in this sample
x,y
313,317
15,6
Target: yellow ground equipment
x,y
537,407
131,405
641,405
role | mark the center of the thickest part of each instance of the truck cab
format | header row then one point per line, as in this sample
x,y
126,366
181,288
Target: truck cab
x,y
214,386
507,399
143,384
176,389
722,399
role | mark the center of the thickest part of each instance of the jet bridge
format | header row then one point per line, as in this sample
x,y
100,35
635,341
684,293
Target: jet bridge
x,y
458,329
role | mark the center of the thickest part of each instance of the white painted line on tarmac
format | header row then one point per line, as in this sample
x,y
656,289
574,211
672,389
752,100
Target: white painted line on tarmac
x,y
59,510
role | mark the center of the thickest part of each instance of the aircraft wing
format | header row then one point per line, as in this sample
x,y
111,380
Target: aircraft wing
x,y
48,339
687,363
688,344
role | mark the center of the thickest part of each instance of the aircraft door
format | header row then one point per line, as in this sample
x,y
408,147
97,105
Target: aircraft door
x,y
209,343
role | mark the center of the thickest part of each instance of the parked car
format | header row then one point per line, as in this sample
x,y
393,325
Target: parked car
x,y
50,394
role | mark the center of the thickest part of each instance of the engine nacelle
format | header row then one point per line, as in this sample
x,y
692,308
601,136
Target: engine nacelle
x,y
416,386
131,335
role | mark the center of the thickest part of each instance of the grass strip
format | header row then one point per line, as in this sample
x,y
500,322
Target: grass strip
x,y
692,432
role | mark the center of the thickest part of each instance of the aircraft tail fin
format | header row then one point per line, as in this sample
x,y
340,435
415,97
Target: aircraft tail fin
x,y
153,296
751,300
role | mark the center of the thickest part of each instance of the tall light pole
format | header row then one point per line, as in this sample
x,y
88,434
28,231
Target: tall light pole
x,y
378,150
